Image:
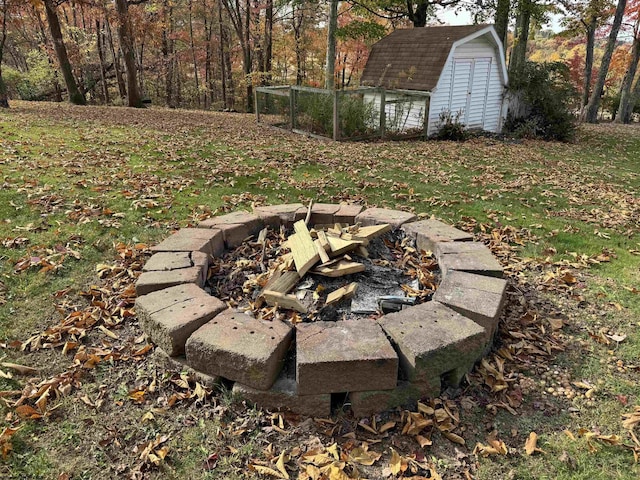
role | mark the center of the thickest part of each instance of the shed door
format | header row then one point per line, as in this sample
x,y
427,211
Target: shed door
x,y
478,95
469,84
460,86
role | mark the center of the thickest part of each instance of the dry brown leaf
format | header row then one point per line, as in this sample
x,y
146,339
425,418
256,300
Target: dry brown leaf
x,y
22,369
454,438
530,445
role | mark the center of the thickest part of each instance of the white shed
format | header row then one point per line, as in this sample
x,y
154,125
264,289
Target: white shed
x,y
462,67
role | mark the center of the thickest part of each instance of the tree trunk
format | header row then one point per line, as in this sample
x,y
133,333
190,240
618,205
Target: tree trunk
x,y
588,60
624,112
4,98
519,50
418,16
330,66
125,34
75,96
103,68
502,20
632,102
122,88
297,20
193,54
591,111
268,42
208,36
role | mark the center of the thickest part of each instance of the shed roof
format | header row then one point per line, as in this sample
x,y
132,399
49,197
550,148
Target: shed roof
x,y
413,58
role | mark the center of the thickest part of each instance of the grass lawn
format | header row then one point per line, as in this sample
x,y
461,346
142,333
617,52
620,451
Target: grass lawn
x,y
84,190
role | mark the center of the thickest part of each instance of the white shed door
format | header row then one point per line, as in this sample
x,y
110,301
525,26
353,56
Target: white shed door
x,y
460,84
468,94
478,95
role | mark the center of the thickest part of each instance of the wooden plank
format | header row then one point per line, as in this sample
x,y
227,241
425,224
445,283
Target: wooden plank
x,y
342,293
340,269
305,254
284,301
322,237
284,283
367,233
324,256
340,246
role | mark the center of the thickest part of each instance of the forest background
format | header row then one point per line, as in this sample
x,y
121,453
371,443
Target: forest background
x,y
210,54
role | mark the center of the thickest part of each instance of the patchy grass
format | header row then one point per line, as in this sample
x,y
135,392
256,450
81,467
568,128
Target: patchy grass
x,y
82,188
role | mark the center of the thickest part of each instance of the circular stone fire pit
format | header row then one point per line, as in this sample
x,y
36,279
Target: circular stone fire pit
x,y
377,364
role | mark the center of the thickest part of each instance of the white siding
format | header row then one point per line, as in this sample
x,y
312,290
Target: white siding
x,y
479,100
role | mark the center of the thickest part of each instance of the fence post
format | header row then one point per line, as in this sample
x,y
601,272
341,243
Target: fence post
x,y
292,103
336,117
383,112
255,105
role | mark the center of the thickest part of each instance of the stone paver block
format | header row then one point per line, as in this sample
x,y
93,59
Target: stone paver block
x,y
179,364
209,241
470,257
286,214
376,216
168,261
433,339
346,356
347,214
235,227
240,348
171,315
428,233
477,297
323,213
365,404
283,395
153,281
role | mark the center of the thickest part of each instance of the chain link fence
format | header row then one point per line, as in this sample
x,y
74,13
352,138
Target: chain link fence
x,y
362,113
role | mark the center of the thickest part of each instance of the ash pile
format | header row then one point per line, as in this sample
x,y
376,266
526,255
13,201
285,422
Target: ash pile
x,y
329,273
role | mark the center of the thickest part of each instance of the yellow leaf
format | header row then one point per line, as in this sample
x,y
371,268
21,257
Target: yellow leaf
x,y
387,426
333,450
282,459
367,428
147,416
423,441
395,464
108,332
336,472
363,456
531,443
454,438
569,434
427,410
267,471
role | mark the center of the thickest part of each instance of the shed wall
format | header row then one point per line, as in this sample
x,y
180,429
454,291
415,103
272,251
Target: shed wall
x,y
445,98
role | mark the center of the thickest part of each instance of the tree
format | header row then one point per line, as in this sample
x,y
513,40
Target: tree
x,y
586,16
4,11
125,34
330,66
503,10
75,95
240,15
626,98
417,11
590,113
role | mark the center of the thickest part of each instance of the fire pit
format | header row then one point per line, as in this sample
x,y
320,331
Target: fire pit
x,y
298,314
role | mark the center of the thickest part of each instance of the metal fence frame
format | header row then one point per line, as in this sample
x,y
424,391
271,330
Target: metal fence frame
x,y
290,91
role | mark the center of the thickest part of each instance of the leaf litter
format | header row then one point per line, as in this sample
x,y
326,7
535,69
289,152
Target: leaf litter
x,y
97,326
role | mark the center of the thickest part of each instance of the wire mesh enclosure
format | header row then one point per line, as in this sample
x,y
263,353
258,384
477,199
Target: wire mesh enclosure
x,y
362,113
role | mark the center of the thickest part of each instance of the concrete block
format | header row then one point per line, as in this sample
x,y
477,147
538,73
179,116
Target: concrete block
x,y
432,339
429,232
209,241
323,213
347,214
287,214
344,356
377,216
153,281
283,395
171,315
240,348
365,404
472,257
477,297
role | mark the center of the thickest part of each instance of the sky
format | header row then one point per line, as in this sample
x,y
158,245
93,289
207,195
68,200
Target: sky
x,y
464,18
